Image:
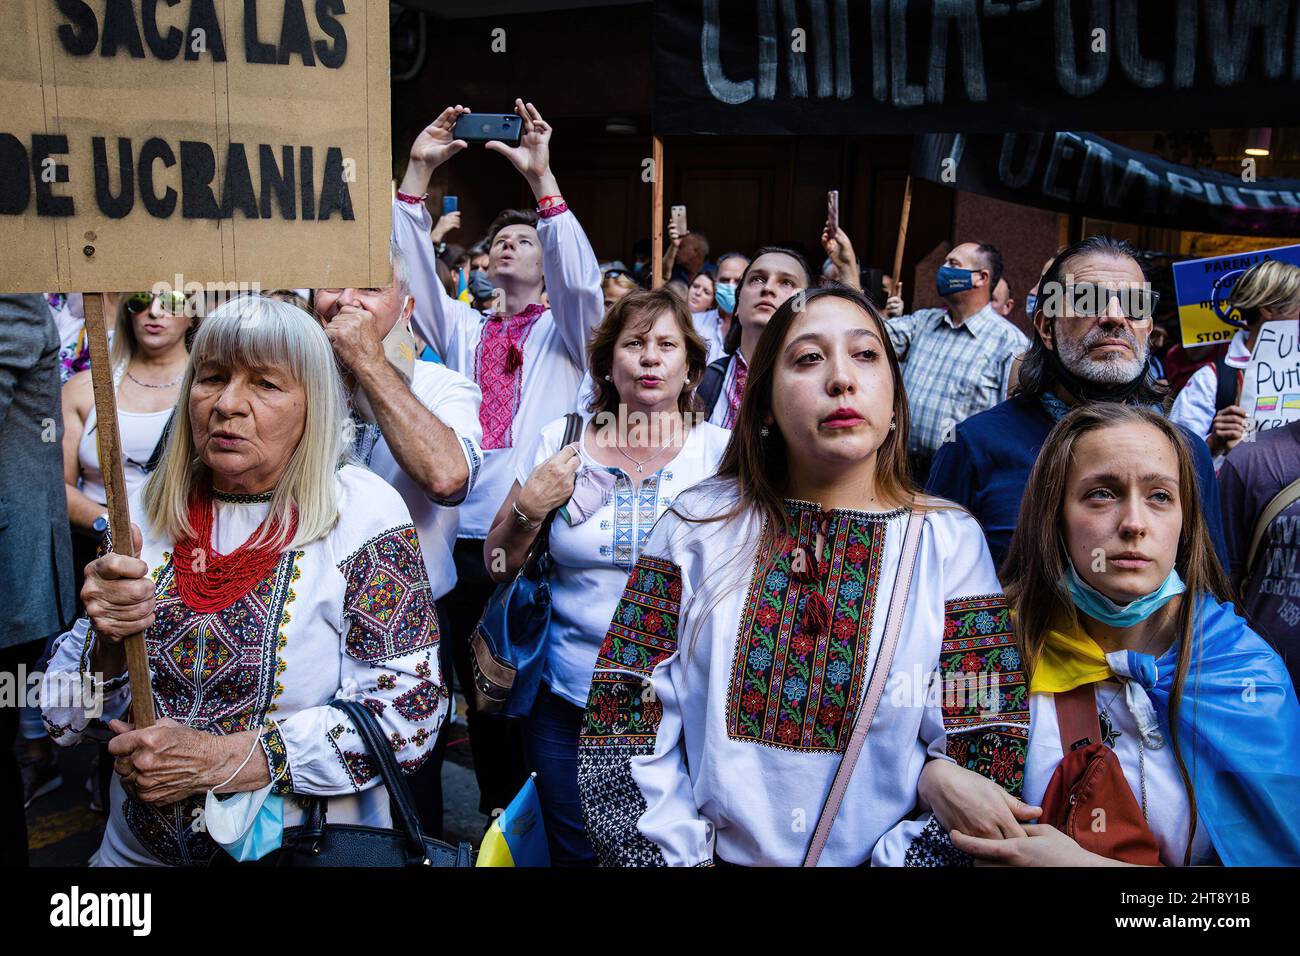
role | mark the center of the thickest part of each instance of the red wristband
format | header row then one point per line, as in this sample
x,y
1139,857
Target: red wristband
x,y
412,200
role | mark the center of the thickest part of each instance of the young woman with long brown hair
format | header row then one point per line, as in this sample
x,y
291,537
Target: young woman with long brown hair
x,y
735,667
1118,594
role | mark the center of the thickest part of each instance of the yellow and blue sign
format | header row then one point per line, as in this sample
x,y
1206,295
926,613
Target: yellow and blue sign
x,y
1202,287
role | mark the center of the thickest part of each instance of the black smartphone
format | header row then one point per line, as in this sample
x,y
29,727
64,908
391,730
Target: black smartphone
x,y
482,127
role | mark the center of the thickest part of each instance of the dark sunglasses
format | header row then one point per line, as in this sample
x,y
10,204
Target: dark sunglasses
x,y
1089,300
173,302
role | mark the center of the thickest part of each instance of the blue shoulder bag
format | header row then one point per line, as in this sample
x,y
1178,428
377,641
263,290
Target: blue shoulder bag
x,y
508,648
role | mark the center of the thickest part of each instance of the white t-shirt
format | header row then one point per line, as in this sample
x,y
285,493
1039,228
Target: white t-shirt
x,y
454,401
593,558
1167,807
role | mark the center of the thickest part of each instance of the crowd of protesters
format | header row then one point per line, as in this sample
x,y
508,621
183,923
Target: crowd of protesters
x,y
841,506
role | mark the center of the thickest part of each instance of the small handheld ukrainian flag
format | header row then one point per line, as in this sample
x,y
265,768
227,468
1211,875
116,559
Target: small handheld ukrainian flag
x,y
517,836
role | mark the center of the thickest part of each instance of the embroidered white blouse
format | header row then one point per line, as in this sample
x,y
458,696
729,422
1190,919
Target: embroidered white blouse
x,y
348,615
454,400
593,557
718,715
709,326
554,351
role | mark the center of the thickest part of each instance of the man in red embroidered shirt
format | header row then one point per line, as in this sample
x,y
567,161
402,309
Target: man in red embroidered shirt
x,y
527,359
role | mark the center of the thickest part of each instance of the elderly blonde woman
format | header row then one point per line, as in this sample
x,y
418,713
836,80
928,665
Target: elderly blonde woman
x,y
1209,404
271,578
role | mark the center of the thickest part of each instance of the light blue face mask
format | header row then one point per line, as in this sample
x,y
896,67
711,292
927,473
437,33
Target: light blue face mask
x,y
247,825
1099,607
725,295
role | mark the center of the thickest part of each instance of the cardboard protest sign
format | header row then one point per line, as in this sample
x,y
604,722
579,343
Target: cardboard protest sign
x,y
1270,391
1202,287
217,140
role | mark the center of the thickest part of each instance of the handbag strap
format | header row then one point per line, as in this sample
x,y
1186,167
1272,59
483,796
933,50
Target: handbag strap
x,y
572,431
1076,717
399,794
1279,503
875,689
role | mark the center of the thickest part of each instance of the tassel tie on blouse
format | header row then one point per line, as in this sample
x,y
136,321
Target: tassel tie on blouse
x,y
816,616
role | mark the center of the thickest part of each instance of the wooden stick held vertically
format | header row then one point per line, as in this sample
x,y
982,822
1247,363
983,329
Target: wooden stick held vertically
x,y
902,238
119,514
657,214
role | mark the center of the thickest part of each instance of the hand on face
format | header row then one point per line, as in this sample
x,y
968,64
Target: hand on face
x,y
1123,514
246,424
650,365
357,321
832,389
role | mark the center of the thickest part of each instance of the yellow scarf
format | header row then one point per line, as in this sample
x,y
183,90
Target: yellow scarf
x,y
1068,659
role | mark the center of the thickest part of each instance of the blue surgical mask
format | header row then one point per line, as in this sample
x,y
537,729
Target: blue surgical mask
x,y
480,286
246,825
1101,608
1031,304
725,295
950,280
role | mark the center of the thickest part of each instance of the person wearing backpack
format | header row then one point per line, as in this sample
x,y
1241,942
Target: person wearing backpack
x,y
1163,729
1209,405
1259,489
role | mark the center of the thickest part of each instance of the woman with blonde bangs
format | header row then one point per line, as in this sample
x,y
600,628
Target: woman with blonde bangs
x,y
737,663
263,585
1125,626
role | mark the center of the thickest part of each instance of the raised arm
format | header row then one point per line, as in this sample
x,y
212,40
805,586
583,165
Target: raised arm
x,y
438,318
568,261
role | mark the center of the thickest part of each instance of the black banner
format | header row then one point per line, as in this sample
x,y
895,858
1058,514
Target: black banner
x,y
1085,174
820,67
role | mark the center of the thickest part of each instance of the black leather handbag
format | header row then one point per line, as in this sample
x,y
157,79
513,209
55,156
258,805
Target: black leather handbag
x,y
320,843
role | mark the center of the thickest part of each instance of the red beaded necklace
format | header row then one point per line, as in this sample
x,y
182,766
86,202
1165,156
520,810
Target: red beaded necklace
x,y
209,581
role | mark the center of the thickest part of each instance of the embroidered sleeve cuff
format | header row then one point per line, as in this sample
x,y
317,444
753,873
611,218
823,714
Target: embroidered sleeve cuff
x,y
554,210
473,461
277,760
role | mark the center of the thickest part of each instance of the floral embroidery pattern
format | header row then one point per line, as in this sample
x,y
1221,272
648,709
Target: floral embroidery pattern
x,y
622,715
985,695
789,688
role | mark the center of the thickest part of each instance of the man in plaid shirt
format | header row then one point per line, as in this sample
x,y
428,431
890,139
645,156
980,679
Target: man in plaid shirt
x,y
955,360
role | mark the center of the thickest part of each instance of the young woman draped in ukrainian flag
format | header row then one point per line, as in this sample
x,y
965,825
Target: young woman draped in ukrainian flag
x,y
1114,584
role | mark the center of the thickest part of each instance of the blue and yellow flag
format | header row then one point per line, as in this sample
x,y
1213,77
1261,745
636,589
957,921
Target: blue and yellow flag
x,y
517,836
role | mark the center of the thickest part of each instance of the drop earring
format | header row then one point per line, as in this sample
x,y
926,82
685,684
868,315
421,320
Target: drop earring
x,y
764,431
893,424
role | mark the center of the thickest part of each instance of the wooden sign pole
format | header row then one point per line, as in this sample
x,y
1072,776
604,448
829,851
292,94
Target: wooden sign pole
x,y
902,238
657,215
119,515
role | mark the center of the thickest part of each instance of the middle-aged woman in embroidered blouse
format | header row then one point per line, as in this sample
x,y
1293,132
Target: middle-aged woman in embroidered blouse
x,y
732,671
641,447
271,577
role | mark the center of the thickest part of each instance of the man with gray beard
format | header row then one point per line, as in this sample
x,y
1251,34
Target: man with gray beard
x,y
1092,320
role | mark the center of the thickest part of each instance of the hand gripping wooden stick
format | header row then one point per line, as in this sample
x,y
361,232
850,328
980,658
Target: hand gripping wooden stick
x,y
119,515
